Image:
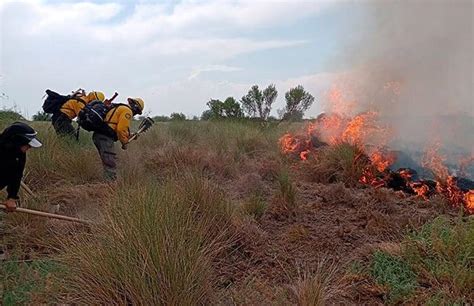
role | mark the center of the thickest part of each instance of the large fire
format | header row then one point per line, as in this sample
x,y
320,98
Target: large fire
x,y
365,131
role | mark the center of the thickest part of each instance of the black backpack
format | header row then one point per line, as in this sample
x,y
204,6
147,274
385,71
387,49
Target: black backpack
x,y
55,101
91,117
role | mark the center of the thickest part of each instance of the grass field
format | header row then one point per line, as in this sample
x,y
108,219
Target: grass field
x,y
213,213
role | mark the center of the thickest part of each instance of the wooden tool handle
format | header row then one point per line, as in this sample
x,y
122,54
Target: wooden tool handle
x,y
109,101
27,189
48,215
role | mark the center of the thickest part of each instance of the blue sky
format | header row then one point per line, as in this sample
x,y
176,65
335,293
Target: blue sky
x,y
176,55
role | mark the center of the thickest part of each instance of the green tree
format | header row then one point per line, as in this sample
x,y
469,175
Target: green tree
x,y
177,117
297,102
41,116
251,100
259,103
216,107
230,108
206,115
269,96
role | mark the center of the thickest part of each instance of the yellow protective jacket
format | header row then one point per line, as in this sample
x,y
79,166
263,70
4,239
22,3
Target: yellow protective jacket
x,y
72,107
119,118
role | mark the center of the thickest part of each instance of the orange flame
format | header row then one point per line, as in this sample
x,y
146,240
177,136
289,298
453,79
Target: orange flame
x,y
368,178
365,132
469,201
288,143
294,145
434,161
420,189
338,103
382,161
358,128
452,192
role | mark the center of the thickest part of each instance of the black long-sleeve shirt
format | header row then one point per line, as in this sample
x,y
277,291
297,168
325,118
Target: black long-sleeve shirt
x,y
12,164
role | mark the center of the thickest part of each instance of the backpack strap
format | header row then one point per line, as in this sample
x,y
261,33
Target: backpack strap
x,y
114,108
78,99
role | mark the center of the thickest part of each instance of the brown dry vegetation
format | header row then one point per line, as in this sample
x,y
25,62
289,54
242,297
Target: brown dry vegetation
x,y
211,213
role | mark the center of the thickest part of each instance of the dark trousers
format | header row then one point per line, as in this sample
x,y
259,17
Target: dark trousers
x,y
8,185
63,125
108,154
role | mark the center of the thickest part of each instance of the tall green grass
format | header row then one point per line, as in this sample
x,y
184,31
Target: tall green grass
x,y
287,190
165,222
156,246
23,280
435,265
395,274
442,254
63,158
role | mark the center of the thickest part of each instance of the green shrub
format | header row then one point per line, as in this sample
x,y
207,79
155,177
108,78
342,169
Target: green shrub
x,y
41,116
442,254
394,273
22,279
9,115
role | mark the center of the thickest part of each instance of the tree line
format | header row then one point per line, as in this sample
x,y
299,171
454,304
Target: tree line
x,y
258,104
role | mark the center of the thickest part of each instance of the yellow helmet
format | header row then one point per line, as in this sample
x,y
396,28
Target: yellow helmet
x,y
137,105
96,95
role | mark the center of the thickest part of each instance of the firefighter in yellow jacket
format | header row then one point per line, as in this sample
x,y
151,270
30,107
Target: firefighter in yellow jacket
x,y
118,120
62,120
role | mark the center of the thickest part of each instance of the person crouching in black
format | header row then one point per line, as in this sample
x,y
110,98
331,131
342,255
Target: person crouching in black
x,y
15,140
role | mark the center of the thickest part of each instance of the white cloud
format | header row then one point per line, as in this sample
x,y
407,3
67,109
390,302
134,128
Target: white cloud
x,y
222,68
84,13
137,49
215,48
197,17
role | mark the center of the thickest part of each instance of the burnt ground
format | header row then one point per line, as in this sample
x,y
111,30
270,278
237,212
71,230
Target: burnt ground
x,y
331,223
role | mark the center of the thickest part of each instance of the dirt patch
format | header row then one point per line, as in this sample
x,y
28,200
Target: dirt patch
x,y
84,201
330,221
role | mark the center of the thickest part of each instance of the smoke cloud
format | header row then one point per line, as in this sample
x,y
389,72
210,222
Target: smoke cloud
x,y
415,66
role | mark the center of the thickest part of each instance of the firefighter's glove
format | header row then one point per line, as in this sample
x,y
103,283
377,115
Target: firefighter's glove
x,y
124,146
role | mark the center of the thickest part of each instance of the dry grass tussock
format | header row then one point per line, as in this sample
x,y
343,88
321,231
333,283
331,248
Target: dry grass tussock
x,y
318,287
340,163
156,246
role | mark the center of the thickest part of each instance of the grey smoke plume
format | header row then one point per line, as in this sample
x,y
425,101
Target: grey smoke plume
x,y
416,68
